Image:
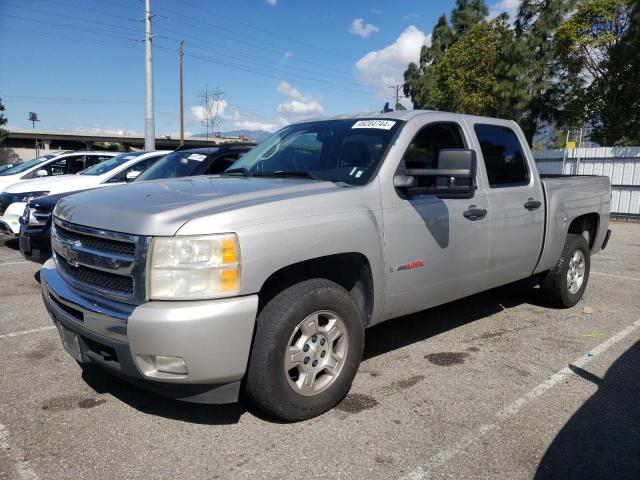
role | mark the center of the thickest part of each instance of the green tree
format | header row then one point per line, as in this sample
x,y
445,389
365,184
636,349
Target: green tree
x,y
3,121
466,75
466,14
535,64
421,80
596,48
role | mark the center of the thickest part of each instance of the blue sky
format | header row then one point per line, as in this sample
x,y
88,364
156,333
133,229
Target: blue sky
x,y
78,65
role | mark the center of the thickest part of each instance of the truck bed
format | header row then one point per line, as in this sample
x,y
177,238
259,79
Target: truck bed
x,y
570,196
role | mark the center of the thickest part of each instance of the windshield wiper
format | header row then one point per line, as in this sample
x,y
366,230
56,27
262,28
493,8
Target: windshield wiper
x,y
241,170
288,173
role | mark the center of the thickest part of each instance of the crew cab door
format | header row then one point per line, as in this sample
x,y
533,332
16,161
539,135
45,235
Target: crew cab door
x,y
516,204
434,252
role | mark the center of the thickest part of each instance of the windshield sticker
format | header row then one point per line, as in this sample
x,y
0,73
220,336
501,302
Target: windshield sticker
x,y
353,170
379,124
197,157
359,174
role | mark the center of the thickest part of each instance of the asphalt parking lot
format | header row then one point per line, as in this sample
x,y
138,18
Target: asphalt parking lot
x,y
494,386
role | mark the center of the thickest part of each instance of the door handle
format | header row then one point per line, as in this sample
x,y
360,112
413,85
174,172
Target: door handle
x,y
532,204
475,213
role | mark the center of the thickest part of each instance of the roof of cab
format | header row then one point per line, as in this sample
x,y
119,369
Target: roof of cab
x,y
404,115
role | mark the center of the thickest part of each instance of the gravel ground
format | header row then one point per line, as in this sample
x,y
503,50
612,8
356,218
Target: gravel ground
x,y
494,386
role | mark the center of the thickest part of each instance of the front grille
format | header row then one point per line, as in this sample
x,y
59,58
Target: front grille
x,y
95,243
106,264
97,278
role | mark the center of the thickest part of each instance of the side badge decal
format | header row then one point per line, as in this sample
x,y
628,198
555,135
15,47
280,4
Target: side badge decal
x,y
408,266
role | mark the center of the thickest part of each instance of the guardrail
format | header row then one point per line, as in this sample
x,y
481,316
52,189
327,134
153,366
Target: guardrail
x,y
620,164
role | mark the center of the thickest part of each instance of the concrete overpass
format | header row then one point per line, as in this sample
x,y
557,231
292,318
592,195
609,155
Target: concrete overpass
x,y
25,144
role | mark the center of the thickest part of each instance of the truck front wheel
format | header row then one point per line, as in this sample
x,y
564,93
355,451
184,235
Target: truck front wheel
x,y
306,350
565,283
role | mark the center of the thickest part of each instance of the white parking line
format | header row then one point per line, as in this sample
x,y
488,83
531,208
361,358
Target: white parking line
x,y
27,332
442,457
616,276
22,466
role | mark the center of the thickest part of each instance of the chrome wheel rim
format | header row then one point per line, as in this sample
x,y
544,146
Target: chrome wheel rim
x,y
575,274
316,353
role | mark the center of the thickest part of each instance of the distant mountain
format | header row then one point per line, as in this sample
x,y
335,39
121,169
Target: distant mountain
x,y
254,135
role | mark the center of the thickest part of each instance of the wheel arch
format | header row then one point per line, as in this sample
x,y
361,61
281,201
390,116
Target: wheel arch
x,y
351,270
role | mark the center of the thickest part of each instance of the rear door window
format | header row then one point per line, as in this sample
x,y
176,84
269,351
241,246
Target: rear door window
x,y
503,156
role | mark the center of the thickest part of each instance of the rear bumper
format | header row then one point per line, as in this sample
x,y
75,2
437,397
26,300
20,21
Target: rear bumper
x,y
213,338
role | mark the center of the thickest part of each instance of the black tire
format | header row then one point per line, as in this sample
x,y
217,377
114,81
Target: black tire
x,y
554,283
266,383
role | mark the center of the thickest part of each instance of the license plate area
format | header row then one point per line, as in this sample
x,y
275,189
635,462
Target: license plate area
x,y
70,342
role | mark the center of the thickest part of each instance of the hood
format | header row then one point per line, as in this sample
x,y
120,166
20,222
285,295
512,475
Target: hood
x,y
161,207
48,202
57,184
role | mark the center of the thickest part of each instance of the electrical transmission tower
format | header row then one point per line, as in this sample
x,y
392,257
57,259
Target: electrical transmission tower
x,y
210,101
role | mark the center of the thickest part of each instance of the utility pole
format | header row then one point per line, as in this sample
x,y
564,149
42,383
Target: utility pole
x,y
181,98
149,123
397,96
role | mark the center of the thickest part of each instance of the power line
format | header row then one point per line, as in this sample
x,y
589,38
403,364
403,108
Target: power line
x,y
199,24
297,41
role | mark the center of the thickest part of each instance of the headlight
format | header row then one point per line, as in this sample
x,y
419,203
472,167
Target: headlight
x,y
26,196
194,268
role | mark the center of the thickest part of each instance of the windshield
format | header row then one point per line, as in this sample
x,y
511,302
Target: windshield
x,y
108,165
346,151
23,167
174,165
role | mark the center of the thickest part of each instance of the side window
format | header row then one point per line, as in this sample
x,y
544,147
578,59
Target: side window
x,y
425,146
503,156
94,160
138,167
65,165
219,165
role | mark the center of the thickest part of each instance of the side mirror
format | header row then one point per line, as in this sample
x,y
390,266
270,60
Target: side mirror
x,y
42,173
453,178
131,176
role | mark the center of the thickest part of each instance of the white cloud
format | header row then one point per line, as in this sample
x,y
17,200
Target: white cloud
x,y
297,107
411,15
299,104
286,89
272,2
364,30
287,55
376,11
509,6
218,107
386,66
253,125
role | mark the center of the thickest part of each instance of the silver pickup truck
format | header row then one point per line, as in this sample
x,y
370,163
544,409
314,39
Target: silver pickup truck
x,y
262,280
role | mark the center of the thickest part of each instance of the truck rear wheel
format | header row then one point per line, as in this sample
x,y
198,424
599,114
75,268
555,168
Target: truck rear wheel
x,y
565,283
306,350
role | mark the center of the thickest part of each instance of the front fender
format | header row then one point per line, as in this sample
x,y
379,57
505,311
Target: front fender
x,y
270,247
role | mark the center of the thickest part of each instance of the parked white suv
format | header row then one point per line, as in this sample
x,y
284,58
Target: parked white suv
x,y
112,171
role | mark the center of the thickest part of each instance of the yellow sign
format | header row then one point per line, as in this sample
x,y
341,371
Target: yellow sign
x,y
571,145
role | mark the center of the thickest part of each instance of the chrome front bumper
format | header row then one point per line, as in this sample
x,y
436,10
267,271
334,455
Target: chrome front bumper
x,y
213,337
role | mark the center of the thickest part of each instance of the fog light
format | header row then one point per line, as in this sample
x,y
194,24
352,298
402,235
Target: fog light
x,y
169,364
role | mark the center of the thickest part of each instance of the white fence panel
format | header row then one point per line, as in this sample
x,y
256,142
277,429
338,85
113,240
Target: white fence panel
x,y
620,164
